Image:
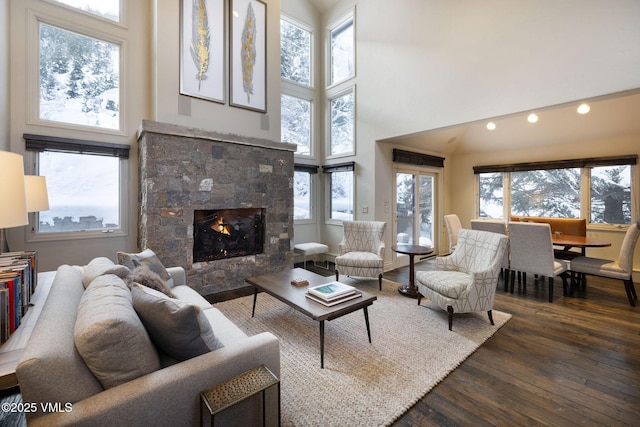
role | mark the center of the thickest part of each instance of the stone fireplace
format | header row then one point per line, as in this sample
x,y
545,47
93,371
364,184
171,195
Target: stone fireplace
x,y
219,205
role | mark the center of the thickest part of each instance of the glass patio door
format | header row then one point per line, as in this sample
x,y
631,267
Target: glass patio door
x,y
414,211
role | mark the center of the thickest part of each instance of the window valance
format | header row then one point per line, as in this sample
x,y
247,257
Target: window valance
x,y
631,159
339,167
305,168
411,158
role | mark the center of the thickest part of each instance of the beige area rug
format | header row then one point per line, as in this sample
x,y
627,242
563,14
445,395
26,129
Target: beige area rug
x,y
362,384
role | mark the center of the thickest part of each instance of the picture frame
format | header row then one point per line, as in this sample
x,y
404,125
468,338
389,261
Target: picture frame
x,y
248,66
202,49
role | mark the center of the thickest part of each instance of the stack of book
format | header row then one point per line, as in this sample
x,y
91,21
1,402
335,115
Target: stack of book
x,y
332,293
18,280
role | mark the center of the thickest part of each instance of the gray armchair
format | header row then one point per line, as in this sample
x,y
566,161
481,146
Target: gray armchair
x,y
362,250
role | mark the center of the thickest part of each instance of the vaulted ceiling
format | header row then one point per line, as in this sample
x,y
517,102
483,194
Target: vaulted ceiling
x,y
610,116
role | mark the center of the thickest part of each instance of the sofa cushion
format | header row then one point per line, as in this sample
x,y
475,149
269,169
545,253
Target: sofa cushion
x,y
147,258
143,275
99,266
109,335
178,328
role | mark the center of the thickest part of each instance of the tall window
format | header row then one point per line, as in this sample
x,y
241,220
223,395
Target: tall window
x,y
295,123
79,79
342,124
302,201
297,97
340,198
295,53
342,52
610,194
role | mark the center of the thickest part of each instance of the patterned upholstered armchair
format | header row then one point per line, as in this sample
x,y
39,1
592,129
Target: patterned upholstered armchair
x,y
362,250
466,280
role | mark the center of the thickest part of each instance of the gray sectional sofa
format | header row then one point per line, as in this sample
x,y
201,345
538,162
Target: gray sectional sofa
x,y
134,382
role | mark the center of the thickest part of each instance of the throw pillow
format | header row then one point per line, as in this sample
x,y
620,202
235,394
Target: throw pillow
x,y
99,266
147,258
178,328
148,278
109,335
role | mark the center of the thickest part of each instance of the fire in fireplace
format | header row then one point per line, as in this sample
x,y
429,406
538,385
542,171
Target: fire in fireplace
x,y
227,233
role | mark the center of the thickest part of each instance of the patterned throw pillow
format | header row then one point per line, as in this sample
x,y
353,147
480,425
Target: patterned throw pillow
x,y
149,259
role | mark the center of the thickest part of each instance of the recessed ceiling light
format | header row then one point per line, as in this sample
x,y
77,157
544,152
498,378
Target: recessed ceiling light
x,y
491,126
584,108
532,118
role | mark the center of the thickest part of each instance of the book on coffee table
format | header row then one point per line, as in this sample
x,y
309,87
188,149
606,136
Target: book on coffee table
x,y
335,301
332,290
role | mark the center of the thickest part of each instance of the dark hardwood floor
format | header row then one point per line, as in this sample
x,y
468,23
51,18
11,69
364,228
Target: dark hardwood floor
x,y
575,361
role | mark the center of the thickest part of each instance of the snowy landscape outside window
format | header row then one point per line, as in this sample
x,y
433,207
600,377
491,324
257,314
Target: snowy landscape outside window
x,y
108,9
557,193
302,195
295,53
342,124
491,195
84,192
551,193
342,52
79,79
295,123
611,194
341,203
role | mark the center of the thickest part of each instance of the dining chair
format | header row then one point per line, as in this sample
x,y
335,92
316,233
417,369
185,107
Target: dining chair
x,y
500,227
453,227
361,250
532,252
465,281
621,268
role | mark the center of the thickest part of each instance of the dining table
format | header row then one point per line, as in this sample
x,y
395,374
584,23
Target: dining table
x,y
568,241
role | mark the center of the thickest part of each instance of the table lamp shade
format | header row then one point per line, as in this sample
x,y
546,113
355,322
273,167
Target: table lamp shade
x,y
36,192
13,204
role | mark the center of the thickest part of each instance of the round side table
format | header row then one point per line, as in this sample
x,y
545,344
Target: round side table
x,y
410,290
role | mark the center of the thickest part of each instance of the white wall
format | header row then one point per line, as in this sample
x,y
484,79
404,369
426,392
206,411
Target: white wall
x,y
426,64
4,75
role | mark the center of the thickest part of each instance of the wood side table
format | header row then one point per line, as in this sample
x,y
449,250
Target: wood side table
x,y
410,290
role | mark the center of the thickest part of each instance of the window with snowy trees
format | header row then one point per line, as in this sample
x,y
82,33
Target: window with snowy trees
x,y
79,79
597,189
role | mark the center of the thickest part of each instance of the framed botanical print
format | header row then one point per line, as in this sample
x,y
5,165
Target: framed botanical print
x,y
248,54
202,49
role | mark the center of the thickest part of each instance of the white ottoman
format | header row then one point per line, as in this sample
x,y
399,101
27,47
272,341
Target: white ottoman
x,y
311,248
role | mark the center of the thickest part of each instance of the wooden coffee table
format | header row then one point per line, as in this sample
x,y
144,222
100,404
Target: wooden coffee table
x,y
279,286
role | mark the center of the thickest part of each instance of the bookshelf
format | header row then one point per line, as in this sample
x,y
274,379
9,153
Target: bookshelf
x,y
12,349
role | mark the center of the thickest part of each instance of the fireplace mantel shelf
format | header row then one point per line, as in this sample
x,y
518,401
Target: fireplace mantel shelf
x,y
150,126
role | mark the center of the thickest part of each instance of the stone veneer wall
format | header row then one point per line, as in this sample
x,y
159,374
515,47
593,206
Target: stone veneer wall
x,y
185,169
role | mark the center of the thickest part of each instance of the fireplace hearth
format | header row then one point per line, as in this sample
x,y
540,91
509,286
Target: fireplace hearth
x,y
227,233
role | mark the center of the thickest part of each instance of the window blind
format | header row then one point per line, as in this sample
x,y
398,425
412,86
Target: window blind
x,y
77,146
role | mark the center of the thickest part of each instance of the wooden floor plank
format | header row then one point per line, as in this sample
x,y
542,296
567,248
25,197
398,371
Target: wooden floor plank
x,y
575,361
